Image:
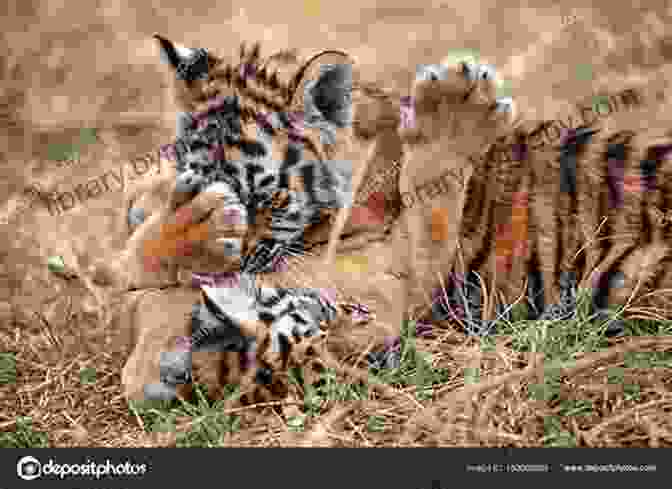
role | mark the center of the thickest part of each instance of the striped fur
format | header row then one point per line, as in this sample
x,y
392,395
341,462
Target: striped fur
x,y
265,135
255,182
592,222
542,222
220,323
271,162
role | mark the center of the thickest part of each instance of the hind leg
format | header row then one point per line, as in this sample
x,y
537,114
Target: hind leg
x,y
634,276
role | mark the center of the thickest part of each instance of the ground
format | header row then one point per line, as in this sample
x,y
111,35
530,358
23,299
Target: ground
x,y
67,69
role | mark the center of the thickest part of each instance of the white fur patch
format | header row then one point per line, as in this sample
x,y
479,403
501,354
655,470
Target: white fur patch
x,y
235,301
429,72
506,104
183,52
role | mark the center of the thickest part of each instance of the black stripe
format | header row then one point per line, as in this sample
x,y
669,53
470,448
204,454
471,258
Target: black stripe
x,y
231,169
266,316
267,180
254,149
252,170
570,149
294,217
616,155
293,155
308,175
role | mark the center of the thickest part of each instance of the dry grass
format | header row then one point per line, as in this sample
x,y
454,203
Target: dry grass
x,y
522,387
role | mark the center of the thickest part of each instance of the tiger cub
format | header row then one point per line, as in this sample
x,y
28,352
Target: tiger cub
x,y
484,231
257,144
241,333
456,114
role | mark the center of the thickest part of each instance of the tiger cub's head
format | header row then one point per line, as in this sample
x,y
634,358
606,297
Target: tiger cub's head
x,y
261,125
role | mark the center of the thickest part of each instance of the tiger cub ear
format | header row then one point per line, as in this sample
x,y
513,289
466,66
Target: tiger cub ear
x,y
188,63
322,91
